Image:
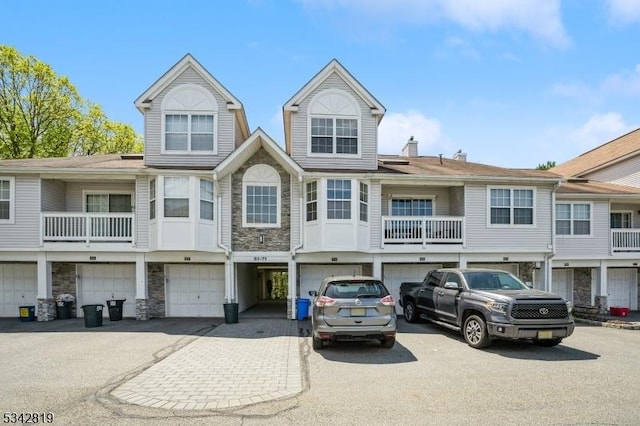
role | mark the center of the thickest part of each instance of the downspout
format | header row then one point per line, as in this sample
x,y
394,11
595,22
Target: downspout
x,y
227,251
301,213
549,268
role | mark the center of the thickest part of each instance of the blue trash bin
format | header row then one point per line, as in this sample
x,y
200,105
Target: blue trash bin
x,y
302,308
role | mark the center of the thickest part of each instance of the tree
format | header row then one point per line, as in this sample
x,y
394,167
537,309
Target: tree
x,y
43,115
546,166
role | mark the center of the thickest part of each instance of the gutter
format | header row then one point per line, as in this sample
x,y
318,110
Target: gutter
x,y
301,213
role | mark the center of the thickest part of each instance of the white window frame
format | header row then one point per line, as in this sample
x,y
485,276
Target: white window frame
x,y
153,196
432,198
12,200
265,176
571,220
350,200
511,207
88,192
205,200
308,202
363,202
165,198
189,100
623,212
334,104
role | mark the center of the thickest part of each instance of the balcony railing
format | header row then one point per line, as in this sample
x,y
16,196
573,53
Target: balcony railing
x,y
88,227
625,240
422,230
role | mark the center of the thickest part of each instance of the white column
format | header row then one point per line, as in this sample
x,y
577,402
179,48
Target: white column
x,y
462,261
377,267
293,278
602,279
142,291
229,280
44,277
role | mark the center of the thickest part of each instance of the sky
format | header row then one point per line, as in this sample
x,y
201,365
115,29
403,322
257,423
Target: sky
x,y
512,83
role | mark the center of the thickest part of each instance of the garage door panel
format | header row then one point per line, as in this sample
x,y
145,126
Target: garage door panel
x,y
562,283
619,285
195,290
101,282
396,274
19,286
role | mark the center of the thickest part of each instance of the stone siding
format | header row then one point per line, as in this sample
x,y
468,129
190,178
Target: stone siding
x,y
46,309
582,286
155,304
525,271
63,281
274,239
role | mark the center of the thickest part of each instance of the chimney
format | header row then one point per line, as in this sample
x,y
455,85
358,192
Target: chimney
x,y
460,156
410,149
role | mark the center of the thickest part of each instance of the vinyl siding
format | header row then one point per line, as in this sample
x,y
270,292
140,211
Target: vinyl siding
x,y
440,196
456,201
153,129
368,134
53,195
25,231
593,246
375,214
296,220
142,212
75,191
626,172
482,237
632,208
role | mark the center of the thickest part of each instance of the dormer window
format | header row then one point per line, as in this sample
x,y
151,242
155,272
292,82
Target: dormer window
x,y
334,124
189,114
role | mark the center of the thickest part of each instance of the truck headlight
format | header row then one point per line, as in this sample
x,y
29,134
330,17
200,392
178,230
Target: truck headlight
x,y
569,307
498,306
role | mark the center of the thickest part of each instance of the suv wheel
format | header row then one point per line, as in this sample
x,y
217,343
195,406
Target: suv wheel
x,y
410,314
547,343
317,343
388,342
475,332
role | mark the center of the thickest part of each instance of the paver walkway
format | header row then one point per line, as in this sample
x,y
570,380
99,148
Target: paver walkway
x,y
253,361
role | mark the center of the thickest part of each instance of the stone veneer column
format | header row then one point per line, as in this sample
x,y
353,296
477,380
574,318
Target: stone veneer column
x,y
142,309
46,309
601,303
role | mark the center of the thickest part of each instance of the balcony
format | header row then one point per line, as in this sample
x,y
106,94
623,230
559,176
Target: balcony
x,y
625,240
88,227
422,230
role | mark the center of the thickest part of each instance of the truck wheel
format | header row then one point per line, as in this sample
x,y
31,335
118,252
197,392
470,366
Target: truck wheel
x,y
388,342
317,343
475,332
547,343
410,314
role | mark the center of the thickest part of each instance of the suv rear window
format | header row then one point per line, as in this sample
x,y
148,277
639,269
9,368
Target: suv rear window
x,y
353,289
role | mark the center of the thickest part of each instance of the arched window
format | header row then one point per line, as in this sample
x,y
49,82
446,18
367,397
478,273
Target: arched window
x,y
261,197
189,120
334,124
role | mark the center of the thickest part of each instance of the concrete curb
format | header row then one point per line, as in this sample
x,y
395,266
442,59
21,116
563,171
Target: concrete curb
x,y
602,322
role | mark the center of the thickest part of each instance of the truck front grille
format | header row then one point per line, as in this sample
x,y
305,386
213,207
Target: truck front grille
x,y
539,311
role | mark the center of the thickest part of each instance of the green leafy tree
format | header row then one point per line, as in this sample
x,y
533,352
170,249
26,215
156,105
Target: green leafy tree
x,y
43,115
546,166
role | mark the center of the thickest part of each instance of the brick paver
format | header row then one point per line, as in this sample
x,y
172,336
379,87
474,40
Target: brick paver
x,y
253,361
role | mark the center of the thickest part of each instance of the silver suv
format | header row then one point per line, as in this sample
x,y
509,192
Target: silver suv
x,y
353,308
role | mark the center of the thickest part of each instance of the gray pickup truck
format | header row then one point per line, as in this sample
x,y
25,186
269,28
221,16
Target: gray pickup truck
x,y
487,304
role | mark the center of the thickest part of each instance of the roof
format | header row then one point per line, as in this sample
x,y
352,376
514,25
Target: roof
x,y
436,166
588,187
609,153
108,161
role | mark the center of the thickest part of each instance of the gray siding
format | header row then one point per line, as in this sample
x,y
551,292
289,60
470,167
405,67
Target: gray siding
x,y
25,231
75,191
456,201
153,129
441,200
594,246
375,214
142,212
633,208
481,236
368,134
296,220
626,172
53,195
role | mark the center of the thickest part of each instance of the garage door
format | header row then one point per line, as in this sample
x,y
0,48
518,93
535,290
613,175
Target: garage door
x,y
18,287
619,284
195,290
98,283
562,283
396,274
312,275
508,267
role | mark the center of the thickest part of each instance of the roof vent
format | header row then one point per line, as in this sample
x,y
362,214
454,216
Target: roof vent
x,y
460,156
410,149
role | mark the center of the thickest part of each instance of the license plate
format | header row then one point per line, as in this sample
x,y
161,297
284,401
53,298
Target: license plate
x,y
545,334
358,312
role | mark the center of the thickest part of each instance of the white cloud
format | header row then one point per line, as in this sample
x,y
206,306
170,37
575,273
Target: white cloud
x,y
623,83
599,129
539,18
623,11
396,129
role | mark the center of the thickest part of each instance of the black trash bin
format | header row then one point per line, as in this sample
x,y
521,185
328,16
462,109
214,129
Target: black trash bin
x,y
27,313
63,310
230,313
92,315
115,309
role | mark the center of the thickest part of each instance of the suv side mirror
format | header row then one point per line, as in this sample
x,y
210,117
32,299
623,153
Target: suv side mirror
x,y
451,285
313,293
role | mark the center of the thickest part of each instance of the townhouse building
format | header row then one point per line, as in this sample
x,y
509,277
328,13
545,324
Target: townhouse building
x,y
213,212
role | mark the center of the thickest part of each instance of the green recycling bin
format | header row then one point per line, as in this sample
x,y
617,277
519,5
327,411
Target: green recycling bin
x,y
92,315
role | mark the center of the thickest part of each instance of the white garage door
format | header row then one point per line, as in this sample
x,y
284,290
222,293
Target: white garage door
x,y
619,284
396,274
18,287
562,283
311,276
508,267
98,283
195,290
